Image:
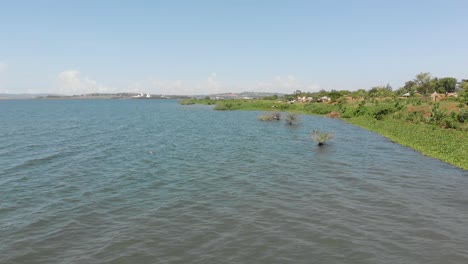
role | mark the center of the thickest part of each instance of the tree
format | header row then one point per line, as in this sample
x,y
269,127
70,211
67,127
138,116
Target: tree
x,y
380,91
373,92
388,87
361,93
434,85
448,84
410,86
272,97
334,95
290,97
464,86
401,91
422,82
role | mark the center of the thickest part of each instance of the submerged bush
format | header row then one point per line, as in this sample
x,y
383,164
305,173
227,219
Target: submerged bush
x,y
321,137
292,119
271,116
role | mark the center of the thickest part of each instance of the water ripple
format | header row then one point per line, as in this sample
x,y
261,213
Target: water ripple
x,y
145,181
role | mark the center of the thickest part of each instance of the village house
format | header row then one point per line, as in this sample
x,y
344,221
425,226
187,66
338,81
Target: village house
x,y
435,96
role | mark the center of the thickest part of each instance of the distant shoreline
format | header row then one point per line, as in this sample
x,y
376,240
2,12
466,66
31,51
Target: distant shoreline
x,y
131,95
87,97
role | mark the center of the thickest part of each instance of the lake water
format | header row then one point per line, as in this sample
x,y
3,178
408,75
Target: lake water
x,y
151,181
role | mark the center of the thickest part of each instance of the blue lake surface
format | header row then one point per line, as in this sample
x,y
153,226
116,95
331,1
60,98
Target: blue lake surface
x,y
151,181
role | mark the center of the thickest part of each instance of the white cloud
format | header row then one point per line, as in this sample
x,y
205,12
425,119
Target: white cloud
x,y
71,82
155,85
213,83
284,84
210,86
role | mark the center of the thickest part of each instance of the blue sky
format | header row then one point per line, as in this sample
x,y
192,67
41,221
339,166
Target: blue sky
x,y
198,47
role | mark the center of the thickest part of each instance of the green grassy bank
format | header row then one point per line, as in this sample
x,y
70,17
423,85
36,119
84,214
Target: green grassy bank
x,y
450,146
426,127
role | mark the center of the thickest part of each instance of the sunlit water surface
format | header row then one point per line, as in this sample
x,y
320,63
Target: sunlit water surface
x,y
150,181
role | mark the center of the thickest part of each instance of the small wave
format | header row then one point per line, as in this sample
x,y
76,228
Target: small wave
x,y
36,162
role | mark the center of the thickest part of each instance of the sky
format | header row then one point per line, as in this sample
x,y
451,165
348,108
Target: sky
x,y
206,47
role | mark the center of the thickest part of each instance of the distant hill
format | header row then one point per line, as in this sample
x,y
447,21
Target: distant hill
x,y
249,95
22,96
87,96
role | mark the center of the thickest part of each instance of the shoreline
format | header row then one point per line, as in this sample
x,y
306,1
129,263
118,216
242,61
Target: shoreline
x,y
446,145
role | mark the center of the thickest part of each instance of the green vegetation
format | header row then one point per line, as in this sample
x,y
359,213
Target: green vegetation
x,y
271,116
437,127
447,145
321,137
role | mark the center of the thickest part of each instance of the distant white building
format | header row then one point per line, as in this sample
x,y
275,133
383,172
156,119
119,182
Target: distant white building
x,y
324,99
142,95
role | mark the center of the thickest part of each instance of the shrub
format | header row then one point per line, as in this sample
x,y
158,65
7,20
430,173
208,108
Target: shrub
x,y
463,116
399,105
449,122
415,117
360,110
319,108
341,103
292,119
415,101
437,114
224,106
187,102
347,112
283,106
382,110
271,116
321,137
398,115
273,97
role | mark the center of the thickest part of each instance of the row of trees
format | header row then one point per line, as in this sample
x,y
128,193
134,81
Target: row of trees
x,y
423,84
